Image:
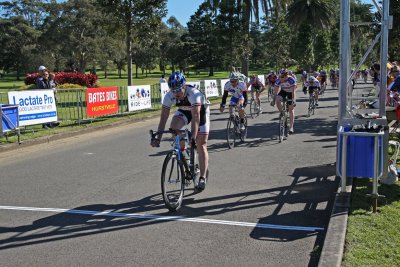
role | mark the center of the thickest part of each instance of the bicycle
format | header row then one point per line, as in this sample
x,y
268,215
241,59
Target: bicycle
x,y
311,104
284,120
233,128
323,87
179,170
254,108
270,92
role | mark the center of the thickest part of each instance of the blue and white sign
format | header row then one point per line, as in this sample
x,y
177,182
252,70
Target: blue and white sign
x,y
164,90
34,106
139,97
211,88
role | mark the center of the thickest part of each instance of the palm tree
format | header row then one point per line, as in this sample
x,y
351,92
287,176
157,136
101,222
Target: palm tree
x,y
248,9
317,13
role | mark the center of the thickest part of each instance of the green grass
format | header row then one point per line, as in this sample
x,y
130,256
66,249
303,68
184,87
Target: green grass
x,y
373,239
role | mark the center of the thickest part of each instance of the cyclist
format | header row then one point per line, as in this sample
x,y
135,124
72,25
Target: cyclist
x,y
304,79
313,85
256,87
192,107
271,79
323,75
238,91
285,86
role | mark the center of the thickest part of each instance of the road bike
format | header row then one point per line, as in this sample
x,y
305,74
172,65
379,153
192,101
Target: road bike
x,y
323,87
233,131
284,120
254,108
270,92
312,101
180,169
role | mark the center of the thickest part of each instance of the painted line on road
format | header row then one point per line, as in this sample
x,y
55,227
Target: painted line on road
x,y
167,218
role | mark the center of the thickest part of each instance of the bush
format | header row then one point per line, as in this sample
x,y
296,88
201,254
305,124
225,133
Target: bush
x,y
70,86
86,80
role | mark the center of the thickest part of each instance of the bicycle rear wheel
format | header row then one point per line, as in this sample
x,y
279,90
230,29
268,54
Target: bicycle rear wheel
x,y
231,132
172,181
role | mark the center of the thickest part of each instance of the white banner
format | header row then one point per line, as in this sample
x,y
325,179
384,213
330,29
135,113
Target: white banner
x,y
164,90
139,97
223,82
35,106
261,78
211,88
195,84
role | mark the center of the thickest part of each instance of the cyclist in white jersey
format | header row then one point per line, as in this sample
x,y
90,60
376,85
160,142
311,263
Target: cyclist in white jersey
x,y
238,91
192,107
285,86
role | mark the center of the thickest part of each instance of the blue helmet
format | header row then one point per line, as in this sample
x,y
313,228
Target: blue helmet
x,y
176,81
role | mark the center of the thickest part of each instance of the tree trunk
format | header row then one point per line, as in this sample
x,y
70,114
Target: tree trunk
x,y
129,52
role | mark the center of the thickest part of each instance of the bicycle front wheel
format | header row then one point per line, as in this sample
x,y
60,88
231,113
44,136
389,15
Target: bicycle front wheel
x,y
282,126
253,110
172,181
231,132
243,134
310,106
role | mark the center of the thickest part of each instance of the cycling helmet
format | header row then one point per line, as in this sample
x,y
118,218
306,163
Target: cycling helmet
x,y
234,76
283,72
176,81
312,79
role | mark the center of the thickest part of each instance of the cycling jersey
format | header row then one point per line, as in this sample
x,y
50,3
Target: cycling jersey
x,y
256,85
237,92
193,97
286,85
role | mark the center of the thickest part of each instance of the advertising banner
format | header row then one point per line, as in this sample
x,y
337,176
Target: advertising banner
x,y
102,101
211,88
139,97
34,106
164,90
223,82
261,78
195,84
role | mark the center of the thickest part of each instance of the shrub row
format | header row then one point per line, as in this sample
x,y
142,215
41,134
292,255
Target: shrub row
x,y
87,80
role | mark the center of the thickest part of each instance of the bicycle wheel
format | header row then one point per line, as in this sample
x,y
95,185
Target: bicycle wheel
x,y
243,134
231,132
253,110
282,128
172,181
313,105
310,106
286,122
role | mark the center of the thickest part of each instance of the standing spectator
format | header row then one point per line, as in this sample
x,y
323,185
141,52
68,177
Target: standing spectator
x,y
45,80
163,80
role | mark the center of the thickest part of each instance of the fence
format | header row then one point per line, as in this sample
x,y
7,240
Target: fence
x,y
71,103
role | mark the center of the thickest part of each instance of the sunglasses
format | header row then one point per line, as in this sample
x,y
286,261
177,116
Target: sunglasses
x,y
234,81
177,90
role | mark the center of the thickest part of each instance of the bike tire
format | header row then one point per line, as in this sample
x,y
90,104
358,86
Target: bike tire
x,y
231,132
252,108
310,106
286,125
281,128
172,174
243,134
313,105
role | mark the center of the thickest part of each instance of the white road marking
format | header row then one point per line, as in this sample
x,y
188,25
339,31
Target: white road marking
x,y
167,218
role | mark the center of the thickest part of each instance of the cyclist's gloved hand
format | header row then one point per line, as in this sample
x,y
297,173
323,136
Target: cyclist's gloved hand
x,y
155,142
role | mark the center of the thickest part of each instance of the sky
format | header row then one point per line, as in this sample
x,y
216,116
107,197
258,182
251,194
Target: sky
x,y
182,9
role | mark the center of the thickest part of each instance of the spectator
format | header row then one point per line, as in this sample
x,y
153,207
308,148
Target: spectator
x,y
45,80
163,80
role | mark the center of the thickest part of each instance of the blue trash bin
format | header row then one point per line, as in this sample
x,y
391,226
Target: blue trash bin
x,y
360,153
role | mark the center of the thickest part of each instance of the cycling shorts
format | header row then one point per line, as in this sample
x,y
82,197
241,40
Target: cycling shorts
x,y
282,94
235,100
186,116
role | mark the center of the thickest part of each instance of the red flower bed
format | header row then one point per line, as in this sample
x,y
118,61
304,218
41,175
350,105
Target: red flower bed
x,y
88,80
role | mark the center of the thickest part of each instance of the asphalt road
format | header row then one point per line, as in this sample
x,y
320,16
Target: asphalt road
x,y
266,203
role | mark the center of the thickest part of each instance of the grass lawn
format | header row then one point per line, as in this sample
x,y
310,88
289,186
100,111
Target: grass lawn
x,y
373,239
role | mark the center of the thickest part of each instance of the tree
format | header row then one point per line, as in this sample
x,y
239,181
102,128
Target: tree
x,y
317,13
17,43
135,16
201,29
